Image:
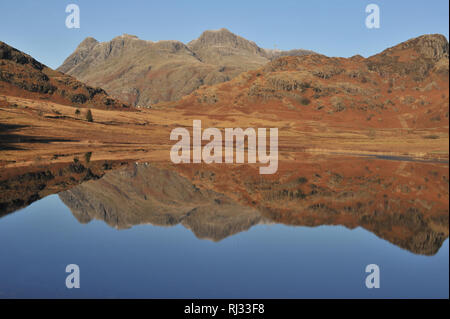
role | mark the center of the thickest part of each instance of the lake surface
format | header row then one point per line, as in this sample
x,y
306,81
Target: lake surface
x,y
148,232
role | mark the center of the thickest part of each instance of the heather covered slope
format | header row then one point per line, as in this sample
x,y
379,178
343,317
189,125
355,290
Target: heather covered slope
x,y
23,76
144,72
404,87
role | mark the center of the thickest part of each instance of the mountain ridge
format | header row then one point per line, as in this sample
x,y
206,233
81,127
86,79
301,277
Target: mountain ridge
x,y
150,72
403,86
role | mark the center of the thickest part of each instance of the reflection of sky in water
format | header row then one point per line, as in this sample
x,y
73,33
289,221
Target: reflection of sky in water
x,y
268,261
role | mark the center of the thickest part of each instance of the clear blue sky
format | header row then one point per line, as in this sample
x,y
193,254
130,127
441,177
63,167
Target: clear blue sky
x,y
331,27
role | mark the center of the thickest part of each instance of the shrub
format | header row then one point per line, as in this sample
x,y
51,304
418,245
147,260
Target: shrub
x,y
89,117
87,157
305,101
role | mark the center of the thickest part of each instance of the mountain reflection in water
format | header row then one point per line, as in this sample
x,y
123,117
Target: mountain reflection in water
x,y
405,203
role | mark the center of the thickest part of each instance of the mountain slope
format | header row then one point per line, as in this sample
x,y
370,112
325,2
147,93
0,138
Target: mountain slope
x,y
144,72
23,76
405,86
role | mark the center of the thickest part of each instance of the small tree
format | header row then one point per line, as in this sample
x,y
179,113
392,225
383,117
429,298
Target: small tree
x,y
87,156
77,112
89,117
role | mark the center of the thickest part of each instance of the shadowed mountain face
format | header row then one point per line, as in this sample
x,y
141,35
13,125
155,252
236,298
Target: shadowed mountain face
x,y
23,76
405,203
144,72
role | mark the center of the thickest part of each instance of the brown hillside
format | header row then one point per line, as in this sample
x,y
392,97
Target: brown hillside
x,y
403,87
23,76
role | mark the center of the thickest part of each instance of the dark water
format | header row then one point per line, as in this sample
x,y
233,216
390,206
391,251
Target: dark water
x,y
138,233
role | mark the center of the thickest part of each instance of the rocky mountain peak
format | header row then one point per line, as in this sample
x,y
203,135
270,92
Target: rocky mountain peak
x,y
428,46
87,43
125,37
431,46
416,56
222,38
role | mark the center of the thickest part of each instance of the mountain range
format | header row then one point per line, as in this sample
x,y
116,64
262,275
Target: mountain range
x,y
393,103
143,72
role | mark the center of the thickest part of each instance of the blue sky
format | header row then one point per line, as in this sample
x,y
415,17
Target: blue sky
x,y
331,27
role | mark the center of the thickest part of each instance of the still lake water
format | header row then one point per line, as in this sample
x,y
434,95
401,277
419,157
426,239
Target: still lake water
x,y
145,231
145,261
